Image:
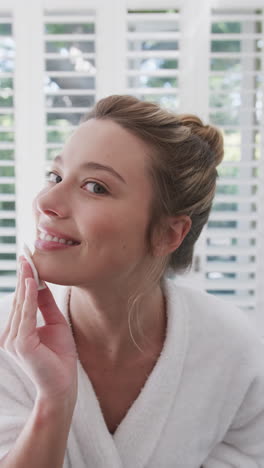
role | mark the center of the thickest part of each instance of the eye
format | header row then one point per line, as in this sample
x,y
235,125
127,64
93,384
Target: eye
x,y
49,173
99,189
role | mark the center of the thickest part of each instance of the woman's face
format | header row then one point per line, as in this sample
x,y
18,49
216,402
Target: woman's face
x,y
108,214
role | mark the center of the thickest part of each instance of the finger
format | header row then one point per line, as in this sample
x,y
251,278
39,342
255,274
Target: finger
x,y
48,307
28,323
10,332
24,272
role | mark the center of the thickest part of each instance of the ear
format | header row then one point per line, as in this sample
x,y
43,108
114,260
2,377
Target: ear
x,y
175,230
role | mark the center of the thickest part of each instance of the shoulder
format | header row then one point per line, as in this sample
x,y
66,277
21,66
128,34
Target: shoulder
x,y
215,323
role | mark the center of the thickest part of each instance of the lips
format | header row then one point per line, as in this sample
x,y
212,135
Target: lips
x,y
55,233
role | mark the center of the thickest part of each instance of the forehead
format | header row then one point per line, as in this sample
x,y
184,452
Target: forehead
x,y
106,142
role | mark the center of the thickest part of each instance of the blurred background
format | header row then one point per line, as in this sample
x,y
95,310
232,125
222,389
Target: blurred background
x,y
200,56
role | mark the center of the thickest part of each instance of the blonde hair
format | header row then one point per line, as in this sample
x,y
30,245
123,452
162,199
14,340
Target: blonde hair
x,y
184,154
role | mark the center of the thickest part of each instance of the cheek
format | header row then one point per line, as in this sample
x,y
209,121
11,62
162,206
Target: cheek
x,y
110,232
122,235
105,230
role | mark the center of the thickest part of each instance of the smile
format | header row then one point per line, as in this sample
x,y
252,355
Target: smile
x,y
60,240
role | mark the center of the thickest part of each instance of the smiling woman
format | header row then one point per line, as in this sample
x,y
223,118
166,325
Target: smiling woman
x,y
129,367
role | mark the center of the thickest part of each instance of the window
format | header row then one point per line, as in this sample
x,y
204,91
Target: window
x,y
153,56
70,73
188,56
235,100
7,156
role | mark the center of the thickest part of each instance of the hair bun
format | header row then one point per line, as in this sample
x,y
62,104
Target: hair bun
x,y
207,133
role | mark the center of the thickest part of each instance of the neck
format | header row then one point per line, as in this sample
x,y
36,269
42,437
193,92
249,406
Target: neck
x,y
114,333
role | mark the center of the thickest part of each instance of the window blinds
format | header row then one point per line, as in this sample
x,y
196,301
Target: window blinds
x,y
152,56
70,73
142,49
7,157
236,100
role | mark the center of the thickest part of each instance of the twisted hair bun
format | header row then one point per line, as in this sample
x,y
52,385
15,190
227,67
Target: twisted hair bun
x,y
209,134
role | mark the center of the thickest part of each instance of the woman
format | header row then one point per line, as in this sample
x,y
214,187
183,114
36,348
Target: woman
x,y
125,367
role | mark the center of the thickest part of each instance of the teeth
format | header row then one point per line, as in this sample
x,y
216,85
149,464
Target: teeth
x,y
50,238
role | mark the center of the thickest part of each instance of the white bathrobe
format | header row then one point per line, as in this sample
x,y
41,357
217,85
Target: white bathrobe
x,y
202,404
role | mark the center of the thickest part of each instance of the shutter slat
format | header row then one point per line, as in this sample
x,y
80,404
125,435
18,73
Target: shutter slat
x,y
8,265
238,127
237,181
6,75
7,248
138,17
154,91
235,36
233,216
235,74
6,110
57,56
227,268
153,36
233,250
67,110
234,199
231,284
236,18
57,128
72,92
231,233
69,37
65,19
7,180
235,55
6,214
161,73
7,163
7,198
6,146
70,74
8,281
153,54
7,231
241,164
7,129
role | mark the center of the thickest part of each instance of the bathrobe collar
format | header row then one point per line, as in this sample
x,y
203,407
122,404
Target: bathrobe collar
x,y
136,437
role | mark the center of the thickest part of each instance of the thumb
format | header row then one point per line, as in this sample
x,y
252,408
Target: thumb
x,y
48,307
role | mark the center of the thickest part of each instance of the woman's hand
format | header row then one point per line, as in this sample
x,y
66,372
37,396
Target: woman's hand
x,y
47,354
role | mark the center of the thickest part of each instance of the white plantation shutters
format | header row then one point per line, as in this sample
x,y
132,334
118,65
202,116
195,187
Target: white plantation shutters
x,y
7,156
153,56
188,56
70,73
234,236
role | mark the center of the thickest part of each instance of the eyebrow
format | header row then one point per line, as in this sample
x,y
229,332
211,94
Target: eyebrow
x,y
93,165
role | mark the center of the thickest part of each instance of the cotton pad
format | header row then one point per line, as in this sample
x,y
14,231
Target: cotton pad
x,y
27,253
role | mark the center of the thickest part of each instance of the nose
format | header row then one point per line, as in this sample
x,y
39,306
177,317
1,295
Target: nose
x,y
51,202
